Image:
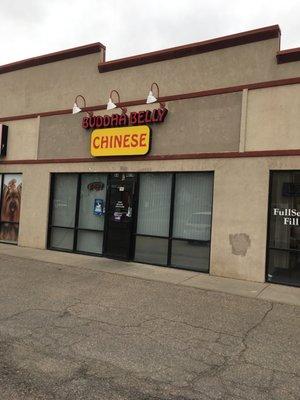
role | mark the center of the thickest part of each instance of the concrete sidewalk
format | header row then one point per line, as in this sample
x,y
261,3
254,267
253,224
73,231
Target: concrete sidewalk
x,y
265,291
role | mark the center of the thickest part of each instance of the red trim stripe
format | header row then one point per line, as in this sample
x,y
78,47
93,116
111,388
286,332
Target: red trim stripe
x,y
289,55
165,157
52,57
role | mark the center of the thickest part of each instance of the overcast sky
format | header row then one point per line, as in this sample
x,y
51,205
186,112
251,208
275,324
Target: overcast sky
x,y
127,27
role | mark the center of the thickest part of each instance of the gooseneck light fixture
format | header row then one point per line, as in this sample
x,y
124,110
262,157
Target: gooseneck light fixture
x,y
76,109
153,99
111,105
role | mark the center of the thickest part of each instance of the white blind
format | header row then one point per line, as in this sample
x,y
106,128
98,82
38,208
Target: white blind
x,y
64,200
192,207
154,204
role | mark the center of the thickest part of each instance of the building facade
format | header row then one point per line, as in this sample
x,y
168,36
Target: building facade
x,y
205,178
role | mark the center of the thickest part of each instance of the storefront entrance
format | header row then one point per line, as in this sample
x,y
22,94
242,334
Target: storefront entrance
x,y
161,218
283,261
120,215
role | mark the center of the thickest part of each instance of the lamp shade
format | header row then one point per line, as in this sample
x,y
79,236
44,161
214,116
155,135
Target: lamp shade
x,y
76,109
151,98
110,105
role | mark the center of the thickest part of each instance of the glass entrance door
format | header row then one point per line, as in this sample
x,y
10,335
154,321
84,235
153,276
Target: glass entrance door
x,y
120,216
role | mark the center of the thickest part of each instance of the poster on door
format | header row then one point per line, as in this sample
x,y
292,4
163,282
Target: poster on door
x,y
99,207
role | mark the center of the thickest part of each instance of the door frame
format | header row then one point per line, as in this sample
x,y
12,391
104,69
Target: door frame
x,y
135,196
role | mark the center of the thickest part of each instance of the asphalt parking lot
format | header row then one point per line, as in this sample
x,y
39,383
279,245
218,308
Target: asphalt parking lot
x,y
73,333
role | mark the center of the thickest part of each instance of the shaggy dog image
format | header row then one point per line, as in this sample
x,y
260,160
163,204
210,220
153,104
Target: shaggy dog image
x,y
10,213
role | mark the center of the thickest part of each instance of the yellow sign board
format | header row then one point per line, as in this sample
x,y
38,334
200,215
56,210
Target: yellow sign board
x,y
125,141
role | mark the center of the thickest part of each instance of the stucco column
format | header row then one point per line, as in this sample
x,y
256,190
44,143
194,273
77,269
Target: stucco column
x,y
240,213
34,208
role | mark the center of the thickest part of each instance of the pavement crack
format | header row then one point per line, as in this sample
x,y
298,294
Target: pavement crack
x,y
25,312
125,326
267,312
252,329
217,332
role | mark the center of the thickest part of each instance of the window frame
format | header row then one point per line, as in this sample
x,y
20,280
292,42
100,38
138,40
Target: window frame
x,y
75,228
268,247
170,237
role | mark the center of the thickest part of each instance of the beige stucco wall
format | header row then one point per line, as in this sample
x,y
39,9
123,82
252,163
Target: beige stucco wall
x,y
54,86
240,205
34,207
273,118
48,87
61,136
267,119
240,219
23,136
207,124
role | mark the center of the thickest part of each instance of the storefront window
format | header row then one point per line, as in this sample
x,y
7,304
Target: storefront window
x,y
64,200
93,189
192,208
151,250
284,228
192,221
154,204
78,209
62,238
90,242
153,218
191,254
156,218
91,213
10,200
174,220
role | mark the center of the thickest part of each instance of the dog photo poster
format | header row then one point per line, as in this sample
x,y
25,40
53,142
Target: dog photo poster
x,y
10,207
